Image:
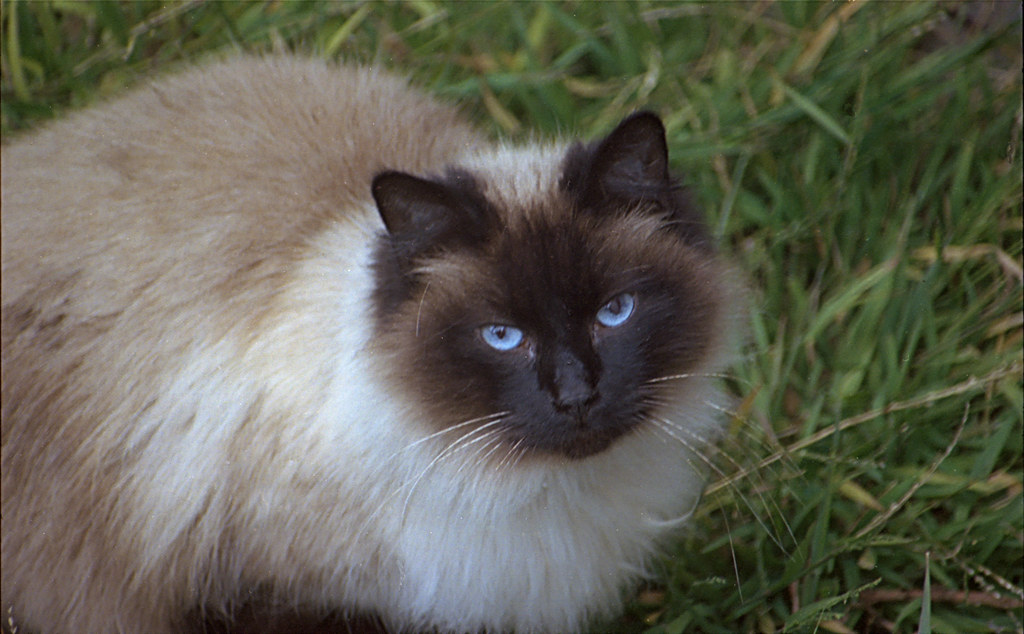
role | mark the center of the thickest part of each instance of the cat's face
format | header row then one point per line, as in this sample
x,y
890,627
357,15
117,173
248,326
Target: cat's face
x,y
556,327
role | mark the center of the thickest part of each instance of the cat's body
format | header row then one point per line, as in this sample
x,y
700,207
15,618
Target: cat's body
x,y
221,384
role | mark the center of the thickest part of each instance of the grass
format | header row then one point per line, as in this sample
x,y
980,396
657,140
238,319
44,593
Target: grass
x,y
862,162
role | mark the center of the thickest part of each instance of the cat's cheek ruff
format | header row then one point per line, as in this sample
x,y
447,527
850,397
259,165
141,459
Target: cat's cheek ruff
x,y
583,516
439,358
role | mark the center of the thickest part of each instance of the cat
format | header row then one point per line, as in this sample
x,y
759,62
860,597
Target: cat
x,y
282,330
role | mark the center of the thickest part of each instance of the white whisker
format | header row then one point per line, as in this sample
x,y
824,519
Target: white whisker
x,y
447,430
512,451
474,436
470,438
419,309
732,551
492,438
497,445
673,431
478,430
769,500
688,375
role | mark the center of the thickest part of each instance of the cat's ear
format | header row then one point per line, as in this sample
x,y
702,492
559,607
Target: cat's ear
x,y
630,166
632,161
413,207
424,215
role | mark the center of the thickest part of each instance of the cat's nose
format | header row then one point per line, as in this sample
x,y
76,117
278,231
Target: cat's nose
x,y
573,390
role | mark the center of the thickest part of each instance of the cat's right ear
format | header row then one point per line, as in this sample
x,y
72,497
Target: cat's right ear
x,y
413,209
421,217
424,216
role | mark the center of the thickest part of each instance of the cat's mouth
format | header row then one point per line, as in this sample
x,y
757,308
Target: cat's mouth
x,y
575,434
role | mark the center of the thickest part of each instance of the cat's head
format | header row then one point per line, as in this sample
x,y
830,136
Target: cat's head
x,y
551,315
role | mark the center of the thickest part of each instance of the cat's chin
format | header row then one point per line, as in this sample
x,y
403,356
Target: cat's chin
x,y
587,447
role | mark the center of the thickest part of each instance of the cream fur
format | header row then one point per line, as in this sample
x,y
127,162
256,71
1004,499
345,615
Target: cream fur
x,y
153,464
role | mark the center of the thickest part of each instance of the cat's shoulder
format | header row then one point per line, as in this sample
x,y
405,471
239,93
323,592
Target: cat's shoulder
x,y
245,155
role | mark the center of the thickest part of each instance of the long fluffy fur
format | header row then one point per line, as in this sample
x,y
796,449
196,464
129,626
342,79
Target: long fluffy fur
x,y
198,409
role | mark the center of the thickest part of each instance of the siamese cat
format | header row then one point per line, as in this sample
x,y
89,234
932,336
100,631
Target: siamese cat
x,y
284,331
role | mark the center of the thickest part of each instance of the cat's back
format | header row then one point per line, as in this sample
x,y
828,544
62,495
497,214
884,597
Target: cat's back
x,y
224,165
168,228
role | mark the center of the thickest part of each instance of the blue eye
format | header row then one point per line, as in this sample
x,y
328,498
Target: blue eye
x,y
616,312
501,337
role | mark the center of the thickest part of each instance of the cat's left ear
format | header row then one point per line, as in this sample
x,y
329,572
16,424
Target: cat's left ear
x,y
630,166
632,161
